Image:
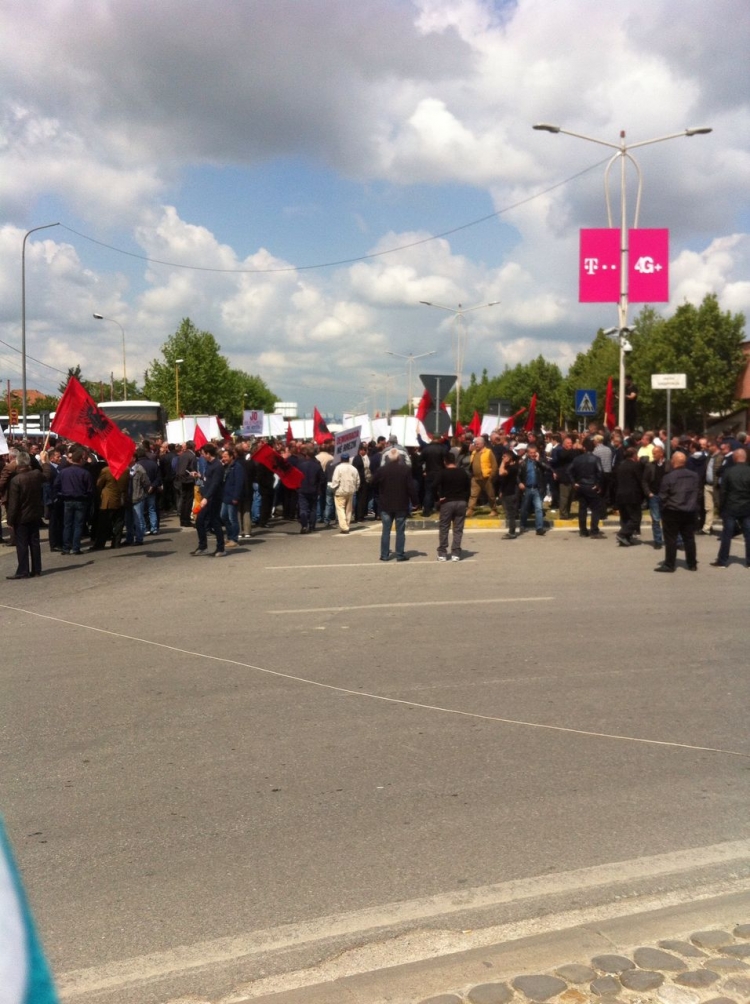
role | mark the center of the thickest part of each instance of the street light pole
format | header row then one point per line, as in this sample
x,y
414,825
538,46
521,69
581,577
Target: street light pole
x,y
101,317
460,330
623,153
23,317
410,360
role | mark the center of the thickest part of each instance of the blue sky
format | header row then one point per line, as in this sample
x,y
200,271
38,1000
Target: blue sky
x,y
265,136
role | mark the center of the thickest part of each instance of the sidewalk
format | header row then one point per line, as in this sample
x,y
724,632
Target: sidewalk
x,y
694,954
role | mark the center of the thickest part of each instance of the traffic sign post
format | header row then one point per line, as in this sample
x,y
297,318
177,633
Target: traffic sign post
x,y
438,386
586,403
669,382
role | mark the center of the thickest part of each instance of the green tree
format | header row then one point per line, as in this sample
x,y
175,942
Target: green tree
x,y
701,342
207,383
592,369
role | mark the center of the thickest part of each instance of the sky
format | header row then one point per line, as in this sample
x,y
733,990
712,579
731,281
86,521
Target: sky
x,y
295,176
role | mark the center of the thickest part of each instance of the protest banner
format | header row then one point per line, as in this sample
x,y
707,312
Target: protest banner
x,y
252,422
346,442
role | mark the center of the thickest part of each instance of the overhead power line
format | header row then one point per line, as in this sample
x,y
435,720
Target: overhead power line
x,y
342,261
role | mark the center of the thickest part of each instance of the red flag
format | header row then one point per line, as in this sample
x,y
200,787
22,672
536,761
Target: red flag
x,y
290,477
424,406
199,437
531,420
609,406
321,432
289,433
223,431
507,425
459,429
79,419
475,424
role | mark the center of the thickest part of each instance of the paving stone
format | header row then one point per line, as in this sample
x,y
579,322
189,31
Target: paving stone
x,y
684,948
671,994
612,963
605,985
726,965
742,931
711,939
539,988
575,973
655,958
738,951
641,979
737,985
573,996
443,999
697,978
490,993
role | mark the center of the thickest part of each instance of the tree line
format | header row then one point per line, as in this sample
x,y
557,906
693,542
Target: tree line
x,y
703,342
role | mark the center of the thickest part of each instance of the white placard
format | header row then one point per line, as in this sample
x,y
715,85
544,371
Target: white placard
x,y
3,443
346,442
252,423
668,381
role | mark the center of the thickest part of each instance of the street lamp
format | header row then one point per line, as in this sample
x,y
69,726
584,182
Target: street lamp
x,y
101,317
410,360
460,337
23,317
623,153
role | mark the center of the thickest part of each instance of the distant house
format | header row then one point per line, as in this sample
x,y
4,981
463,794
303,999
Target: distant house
x,y
32,396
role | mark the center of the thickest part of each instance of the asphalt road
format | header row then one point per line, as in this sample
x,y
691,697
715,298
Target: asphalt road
x,y
172,773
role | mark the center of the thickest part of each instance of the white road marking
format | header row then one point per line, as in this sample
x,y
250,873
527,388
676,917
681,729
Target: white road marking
x,y
422,603
138,971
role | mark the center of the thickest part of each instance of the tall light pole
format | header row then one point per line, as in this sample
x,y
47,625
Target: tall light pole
x,y
460,338
410,360
177,363
101,317
23,317
623,153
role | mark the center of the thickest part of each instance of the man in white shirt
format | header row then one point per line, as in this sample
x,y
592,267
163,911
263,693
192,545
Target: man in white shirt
x,y
345,482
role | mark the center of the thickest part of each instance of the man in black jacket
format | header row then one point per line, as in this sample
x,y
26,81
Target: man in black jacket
x,y
561,458
734,507
25,511
209,517
432,455
185,482
396,490
629,496
587,477
679,506
452,487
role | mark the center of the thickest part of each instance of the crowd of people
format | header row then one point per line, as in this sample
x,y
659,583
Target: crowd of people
x,y
226,489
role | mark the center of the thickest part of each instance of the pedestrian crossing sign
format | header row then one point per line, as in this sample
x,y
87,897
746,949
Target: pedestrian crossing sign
x,y
586,402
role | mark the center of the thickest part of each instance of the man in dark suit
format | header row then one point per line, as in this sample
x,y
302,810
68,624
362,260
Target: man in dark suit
x,y
396,490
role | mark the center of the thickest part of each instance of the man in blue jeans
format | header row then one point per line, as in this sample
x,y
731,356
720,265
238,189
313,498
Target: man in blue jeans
x,y
531,480
75,488
396,490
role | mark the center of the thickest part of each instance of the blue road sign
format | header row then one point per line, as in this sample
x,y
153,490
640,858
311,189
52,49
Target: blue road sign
x,y
585,402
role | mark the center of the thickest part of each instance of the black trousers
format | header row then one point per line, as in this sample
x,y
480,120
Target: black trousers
x,y
510,508
109,527
27,542
675,524
630,518
590,498
186,503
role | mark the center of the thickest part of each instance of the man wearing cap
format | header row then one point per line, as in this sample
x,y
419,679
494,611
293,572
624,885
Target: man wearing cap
x,y
345,482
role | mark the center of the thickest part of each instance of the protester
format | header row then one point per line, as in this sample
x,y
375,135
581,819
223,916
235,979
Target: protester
x,y
734,508
208,519
232,489
679,506
76,489
110,520
344,483
452,488
483,473
25,511
396,492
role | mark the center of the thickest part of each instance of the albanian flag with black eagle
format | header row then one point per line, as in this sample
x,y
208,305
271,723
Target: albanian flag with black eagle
x,y
289,475
79,419
321,433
